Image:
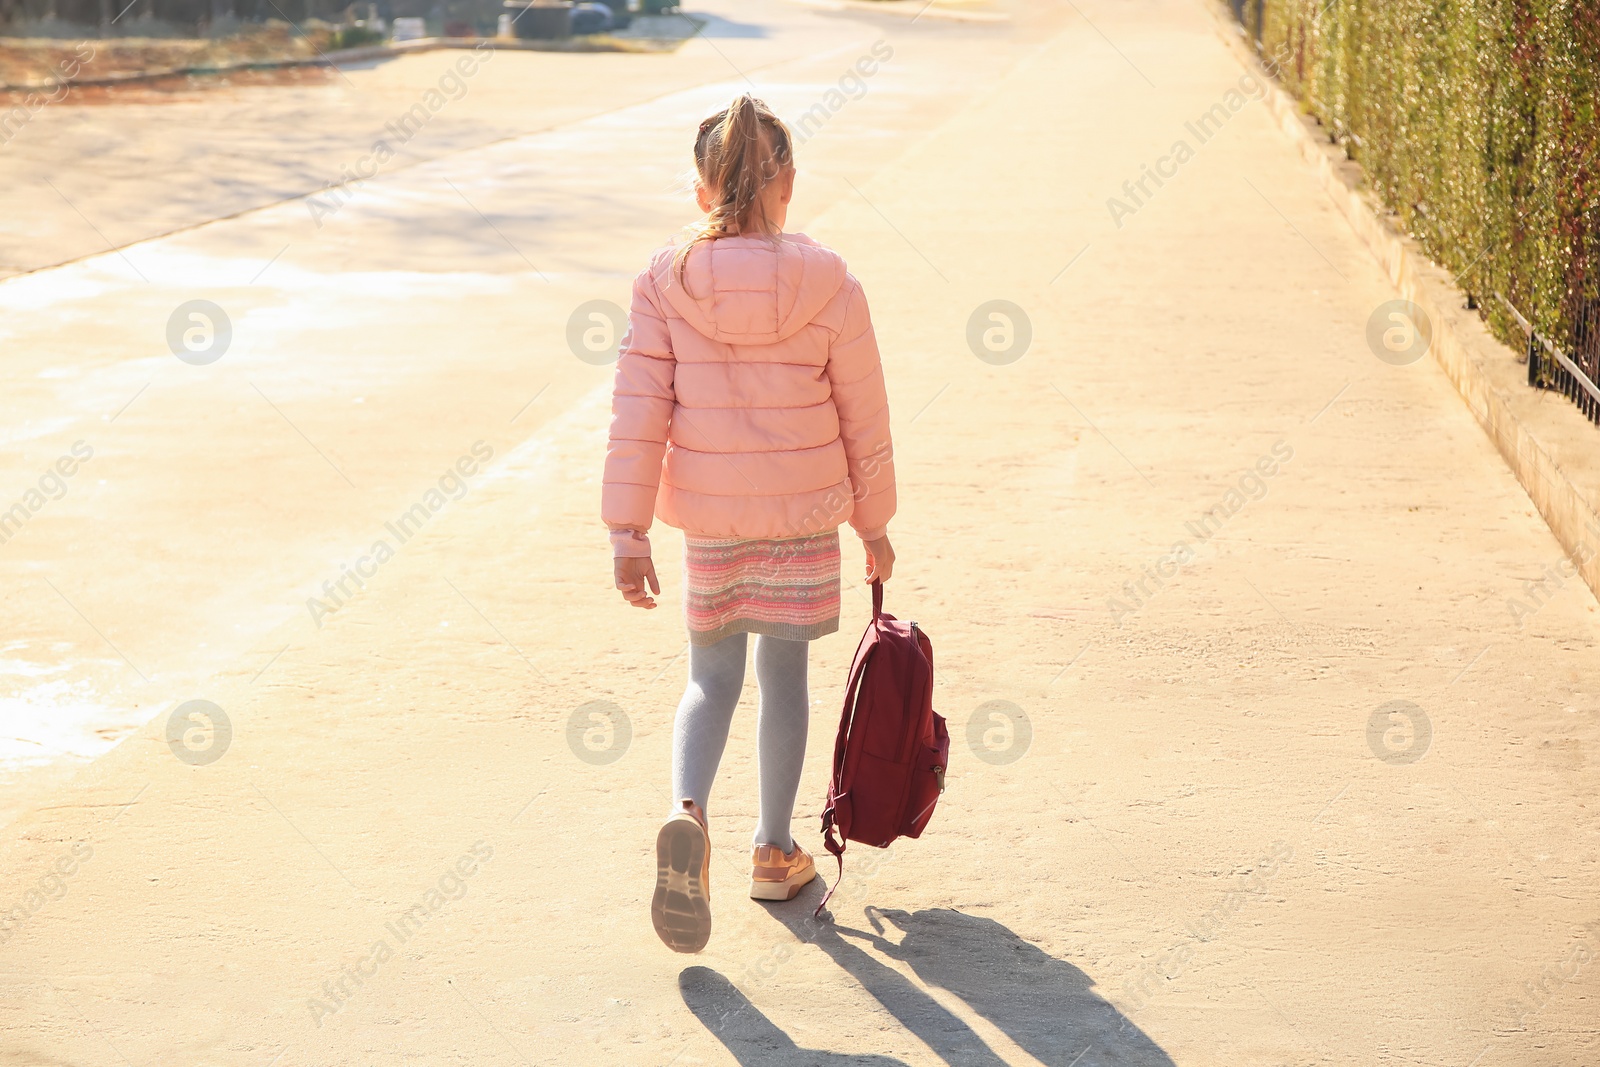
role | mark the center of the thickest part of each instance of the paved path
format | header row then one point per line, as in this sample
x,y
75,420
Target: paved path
x,y
1177,557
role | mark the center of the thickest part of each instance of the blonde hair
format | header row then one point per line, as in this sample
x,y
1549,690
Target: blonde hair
x,y
738,152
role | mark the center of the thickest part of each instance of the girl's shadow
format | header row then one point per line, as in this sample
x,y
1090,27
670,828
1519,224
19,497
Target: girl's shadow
x,y
749,1036
1047,1006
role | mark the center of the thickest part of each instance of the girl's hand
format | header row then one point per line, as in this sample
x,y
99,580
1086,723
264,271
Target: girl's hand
x,y
632,572
880,559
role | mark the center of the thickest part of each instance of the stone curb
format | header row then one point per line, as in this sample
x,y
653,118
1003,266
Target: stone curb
x,y
357,55
1461,344
907,9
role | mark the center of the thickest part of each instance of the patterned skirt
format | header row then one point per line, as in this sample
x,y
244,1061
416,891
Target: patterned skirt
x,y
785,588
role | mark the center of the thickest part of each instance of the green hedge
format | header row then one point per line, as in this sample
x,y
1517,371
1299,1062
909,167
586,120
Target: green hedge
x,y
1478,123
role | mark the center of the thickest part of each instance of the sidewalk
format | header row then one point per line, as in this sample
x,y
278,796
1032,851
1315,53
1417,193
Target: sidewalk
x,y
1178,558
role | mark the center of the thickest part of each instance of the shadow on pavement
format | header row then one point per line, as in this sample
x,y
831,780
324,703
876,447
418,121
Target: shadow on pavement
x,y
1047,1006
749,1036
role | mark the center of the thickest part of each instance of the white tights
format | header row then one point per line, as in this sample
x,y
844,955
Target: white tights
x,y
700,732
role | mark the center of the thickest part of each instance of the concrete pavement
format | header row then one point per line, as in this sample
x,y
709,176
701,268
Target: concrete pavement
x,y
1252,763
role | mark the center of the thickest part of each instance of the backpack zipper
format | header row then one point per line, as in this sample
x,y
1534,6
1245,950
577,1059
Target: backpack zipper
x,y
911,745
938,771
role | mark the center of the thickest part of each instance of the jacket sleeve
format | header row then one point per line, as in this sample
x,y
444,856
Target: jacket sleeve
x,y
641,413
855,373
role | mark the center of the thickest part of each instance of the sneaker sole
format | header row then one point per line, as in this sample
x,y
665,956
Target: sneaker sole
x,y
787,889
681,909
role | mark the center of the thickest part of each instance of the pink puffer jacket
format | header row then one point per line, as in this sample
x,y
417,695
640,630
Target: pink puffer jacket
x,y
749,402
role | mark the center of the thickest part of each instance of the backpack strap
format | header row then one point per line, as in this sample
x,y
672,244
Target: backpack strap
x,y
841,744
837,849
840,749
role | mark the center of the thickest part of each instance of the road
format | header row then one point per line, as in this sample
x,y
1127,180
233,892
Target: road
x,y
1253,763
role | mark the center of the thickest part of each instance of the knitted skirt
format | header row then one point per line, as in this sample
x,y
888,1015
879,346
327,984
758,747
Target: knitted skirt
x,y
786,588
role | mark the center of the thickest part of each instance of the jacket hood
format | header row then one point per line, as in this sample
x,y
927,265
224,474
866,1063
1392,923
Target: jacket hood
x,y
750,290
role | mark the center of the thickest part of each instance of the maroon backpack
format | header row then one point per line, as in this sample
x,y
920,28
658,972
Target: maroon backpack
x,y
890,757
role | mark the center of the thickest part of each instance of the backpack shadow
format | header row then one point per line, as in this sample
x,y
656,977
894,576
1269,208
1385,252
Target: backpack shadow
x,y
1046,1005
749,1036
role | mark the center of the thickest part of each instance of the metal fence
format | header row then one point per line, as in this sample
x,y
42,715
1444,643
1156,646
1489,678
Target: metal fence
x,y
1551,368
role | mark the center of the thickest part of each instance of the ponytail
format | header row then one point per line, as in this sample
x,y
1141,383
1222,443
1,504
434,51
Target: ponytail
x,y
737,153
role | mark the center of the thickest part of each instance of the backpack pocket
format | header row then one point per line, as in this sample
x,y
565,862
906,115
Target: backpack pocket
x,y
927,779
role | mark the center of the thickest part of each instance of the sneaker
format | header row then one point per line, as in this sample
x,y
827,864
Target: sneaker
x,y
681,909
779,875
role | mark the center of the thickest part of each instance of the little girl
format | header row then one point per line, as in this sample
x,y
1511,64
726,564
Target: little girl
x,y
750,412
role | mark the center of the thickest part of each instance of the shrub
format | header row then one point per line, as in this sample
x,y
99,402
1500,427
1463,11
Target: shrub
x,y
1476,122
356,37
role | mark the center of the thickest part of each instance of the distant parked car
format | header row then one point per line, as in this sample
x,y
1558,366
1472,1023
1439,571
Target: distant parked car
x,y
409,29
620,15
590,18
539,20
